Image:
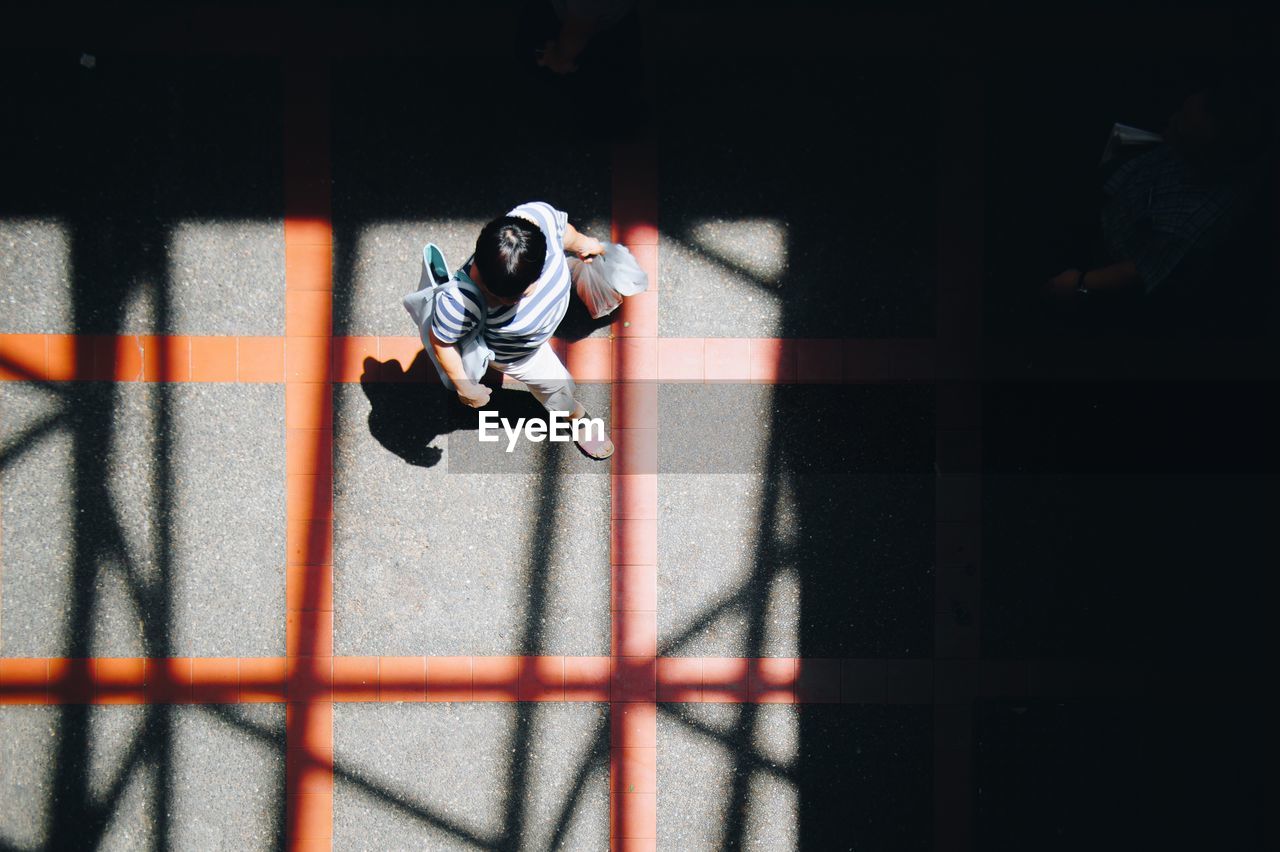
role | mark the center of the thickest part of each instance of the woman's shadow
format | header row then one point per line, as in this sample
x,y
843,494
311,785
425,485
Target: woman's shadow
x,y
407,420
405,417
408,409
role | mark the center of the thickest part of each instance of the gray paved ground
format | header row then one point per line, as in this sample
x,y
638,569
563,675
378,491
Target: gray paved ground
x,y
781,215
453,776
221,278
182,558
102,178
778,776
782,531
214,776
440,186
431,561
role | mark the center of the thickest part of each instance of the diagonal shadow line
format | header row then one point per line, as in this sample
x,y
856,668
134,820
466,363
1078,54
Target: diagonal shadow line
x,y
32,379
531,643
137,751
113,545
117,546
768,560
90,452
740,738
741,597
690,243
94,815
371,788
158,622
30,437
754,759
599,742
541,544
78,811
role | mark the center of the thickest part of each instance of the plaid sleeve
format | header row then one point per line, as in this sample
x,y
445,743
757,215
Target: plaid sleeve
x,y
455,314
1196,229
1158,257
553,222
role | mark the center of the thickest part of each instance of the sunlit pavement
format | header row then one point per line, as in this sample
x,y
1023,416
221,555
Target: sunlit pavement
x,y
261,586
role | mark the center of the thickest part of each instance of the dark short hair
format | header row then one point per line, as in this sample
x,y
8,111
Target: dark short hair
x,y
510,252
1241,101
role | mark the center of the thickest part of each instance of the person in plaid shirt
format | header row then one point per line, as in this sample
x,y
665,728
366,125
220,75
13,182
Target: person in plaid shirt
x,y
1178,202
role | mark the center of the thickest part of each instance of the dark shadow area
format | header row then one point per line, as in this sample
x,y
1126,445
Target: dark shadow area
x,y
1195,216
607,78
846,500
409,410
407,420
774,227
441,174
1128,520
111,154
844,506
879,757
405,416
561,159
1059,775
1124,521
835,160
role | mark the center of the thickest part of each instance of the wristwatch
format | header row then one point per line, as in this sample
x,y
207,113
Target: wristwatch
x,y
1080,288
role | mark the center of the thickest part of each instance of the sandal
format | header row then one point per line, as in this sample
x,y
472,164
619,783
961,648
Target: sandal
x,y
595,448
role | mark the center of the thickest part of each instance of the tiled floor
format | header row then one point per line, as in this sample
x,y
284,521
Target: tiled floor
x,y
854,578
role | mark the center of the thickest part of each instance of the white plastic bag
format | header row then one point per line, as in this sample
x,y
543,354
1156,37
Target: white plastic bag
x,y
603,282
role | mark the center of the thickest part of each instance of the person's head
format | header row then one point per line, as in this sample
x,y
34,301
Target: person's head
x,y
510,252
1225,121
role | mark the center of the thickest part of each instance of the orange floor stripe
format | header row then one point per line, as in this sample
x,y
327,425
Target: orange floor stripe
x,y
636,355
129,358
307,353
312,677
630,681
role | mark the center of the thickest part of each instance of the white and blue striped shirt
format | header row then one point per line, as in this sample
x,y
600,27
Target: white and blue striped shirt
x,y
514,332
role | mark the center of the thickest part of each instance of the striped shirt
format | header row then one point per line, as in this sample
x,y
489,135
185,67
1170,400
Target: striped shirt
x,y
513,332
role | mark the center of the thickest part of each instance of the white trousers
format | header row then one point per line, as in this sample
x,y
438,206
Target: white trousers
x,y
546,378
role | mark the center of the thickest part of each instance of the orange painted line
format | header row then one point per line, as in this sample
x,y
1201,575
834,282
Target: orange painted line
x,y
627,359
635,193
313,677
635,496
635,632
636,361
23,356
260,359
634,588
638,316
627,681
308,354
680,679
